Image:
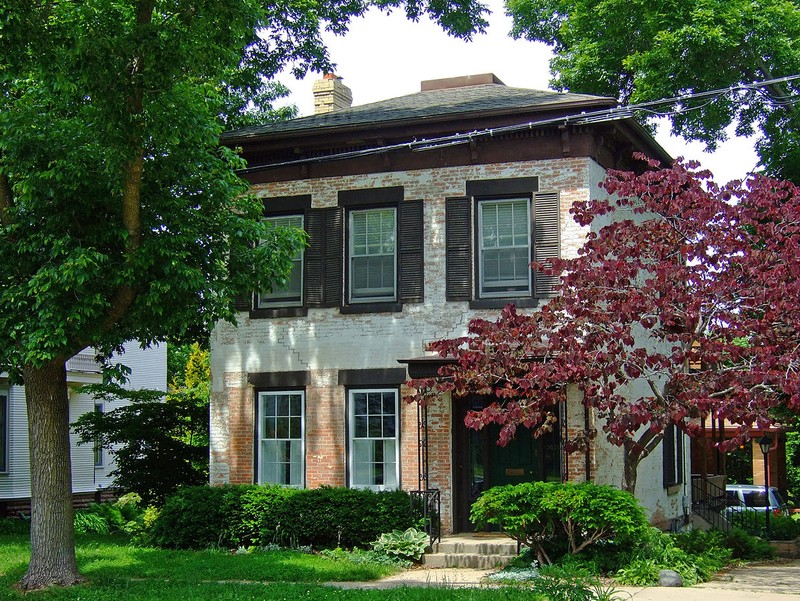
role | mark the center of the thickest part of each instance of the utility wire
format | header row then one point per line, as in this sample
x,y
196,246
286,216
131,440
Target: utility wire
x,y
583,118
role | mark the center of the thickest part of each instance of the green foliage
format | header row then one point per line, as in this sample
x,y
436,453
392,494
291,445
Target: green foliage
x,y
365,557
640,51
659,551
14,526
546,516
753,522
199,517
793,464
410,544
87,522
564,585
746,546
123,515
158,445
249,515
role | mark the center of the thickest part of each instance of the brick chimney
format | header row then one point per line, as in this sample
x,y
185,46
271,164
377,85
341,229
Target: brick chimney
x,y
330,94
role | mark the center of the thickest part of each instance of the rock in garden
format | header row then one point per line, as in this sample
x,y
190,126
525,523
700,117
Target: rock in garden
x,y
669,578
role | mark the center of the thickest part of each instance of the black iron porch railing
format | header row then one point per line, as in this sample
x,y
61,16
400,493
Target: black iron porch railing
x,y
709,501
426,507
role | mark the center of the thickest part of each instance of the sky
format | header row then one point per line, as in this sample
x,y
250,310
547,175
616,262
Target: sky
x,y
385,56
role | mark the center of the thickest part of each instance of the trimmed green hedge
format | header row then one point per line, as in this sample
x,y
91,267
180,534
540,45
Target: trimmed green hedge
x,y
230,516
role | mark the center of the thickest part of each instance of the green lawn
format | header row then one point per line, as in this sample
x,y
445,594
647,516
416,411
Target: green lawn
x,y
117,572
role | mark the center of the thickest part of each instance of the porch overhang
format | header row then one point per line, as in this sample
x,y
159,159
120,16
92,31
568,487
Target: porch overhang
x,y
425,367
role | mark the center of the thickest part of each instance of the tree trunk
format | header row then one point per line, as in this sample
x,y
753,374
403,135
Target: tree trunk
x,y
631,468
52,535
635,451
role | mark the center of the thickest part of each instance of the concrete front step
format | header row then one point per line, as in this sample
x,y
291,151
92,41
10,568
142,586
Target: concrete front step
x,y
472,550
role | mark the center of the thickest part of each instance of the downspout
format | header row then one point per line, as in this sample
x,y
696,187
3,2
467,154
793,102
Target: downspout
x,y
588,452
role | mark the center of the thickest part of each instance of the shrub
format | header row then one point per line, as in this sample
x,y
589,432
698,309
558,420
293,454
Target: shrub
x,y
410,544
15,525
245,515
553,518
86,522
198,517
341,517
747,546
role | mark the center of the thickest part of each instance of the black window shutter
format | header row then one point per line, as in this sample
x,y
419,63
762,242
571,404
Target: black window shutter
x,y
332,268
243,302
546,239
323,257
458,239
411,235
669,448
313,257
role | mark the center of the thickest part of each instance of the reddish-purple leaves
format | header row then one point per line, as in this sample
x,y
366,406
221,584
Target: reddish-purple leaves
x,y
692,290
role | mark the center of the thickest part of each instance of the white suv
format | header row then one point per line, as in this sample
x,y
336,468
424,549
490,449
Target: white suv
x,y
739,497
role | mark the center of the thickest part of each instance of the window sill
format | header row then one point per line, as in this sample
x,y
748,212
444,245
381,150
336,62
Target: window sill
x,y
278,312
499,303
371,308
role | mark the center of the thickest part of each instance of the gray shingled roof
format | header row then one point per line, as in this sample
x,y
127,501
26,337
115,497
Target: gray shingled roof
x,y
450,102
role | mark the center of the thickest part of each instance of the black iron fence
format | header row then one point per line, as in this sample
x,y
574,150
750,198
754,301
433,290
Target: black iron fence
x,y
426,506
709,502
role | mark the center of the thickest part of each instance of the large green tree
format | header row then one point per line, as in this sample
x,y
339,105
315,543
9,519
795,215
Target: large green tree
x,y
120,216
642,50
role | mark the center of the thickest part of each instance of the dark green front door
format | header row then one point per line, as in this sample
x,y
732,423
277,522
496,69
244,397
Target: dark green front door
x,y
479,463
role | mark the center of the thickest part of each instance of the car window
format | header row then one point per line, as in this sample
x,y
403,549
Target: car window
x,y
777,499
755,499
732,498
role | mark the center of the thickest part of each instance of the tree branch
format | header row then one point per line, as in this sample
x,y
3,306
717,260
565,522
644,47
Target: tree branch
x,y
6,200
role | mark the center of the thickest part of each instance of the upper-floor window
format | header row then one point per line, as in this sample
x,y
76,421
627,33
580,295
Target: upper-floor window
x,y
3,431
280,453
291,293
491,236
504,245
364,255
372,255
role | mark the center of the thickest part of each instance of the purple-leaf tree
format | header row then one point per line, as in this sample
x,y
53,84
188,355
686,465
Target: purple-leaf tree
x,y
683,304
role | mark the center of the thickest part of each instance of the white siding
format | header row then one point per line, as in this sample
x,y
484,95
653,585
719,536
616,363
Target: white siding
x,y
148,370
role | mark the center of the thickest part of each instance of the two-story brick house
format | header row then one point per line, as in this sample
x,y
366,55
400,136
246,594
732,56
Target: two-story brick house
x,y
422,212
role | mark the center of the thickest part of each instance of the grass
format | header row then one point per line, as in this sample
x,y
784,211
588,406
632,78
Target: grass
x,y
118,572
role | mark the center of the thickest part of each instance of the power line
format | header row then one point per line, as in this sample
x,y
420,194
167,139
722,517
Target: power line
x,y
583,118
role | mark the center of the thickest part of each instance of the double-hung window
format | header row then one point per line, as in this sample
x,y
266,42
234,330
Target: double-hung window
x,y
290,294
491,237
3,431
280,438
504,248
372,255
374,438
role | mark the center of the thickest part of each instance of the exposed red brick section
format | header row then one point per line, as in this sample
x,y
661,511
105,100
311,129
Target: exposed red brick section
x,y
241,427
325,437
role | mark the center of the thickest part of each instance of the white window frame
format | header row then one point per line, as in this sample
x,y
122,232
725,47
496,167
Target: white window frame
x,y
99,455
513,287
380,294
355,438
5,409
297,471
283,296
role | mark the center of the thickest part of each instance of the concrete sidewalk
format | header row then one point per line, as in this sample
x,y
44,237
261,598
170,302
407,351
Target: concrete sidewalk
x,y
764,582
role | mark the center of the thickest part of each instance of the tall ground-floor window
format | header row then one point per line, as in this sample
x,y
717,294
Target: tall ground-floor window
x,y
280,438
374,438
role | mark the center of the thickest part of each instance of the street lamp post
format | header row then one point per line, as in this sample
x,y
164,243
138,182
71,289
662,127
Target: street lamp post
x,y
765,442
